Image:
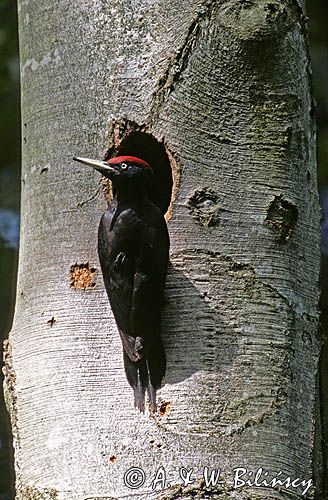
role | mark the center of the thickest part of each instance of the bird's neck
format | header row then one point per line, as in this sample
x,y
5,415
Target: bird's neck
x,y
130,195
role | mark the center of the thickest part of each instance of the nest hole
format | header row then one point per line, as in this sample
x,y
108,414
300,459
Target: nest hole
x,y
146,147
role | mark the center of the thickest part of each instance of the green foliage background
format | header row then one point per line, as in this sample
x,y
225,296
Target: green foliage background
x,y
317,11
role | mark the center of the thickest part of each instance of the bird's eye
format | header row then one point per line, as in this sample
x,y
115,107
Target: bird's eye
x,y
124,166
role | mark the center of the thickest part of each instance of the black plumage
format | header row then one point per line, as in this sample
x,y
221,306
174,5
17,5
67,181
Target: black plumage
x,y
133,248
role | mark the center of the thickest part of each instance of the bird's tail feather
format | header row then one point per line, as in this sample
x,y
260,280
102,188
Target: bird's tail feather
x,y
146,374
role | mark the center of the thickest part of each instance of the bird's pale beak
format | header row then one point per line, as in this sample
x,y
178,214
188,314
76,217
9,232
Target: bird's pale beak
x,y
101,166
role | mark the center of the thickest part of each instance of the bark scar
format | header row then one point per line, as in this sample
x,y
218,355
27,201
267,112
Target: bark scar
x,y
282,217
204,206
178,62
10,386
27,492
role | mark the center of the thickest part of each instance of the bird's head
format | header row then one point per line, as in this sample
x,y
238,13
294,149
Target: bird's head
x,y
121,169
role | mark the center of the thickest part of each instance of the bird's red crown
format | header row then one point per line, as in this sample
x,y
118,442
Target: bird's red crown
x,y
133,159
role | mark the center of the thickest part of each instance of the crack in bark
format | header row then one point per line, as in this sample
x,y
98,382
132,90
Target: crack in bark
x,y
91,198
291,305
178,63
263,416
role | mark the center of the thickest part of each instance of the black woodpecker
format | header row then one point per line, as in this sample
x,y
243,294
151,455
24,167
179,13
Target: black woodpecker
x,y
133,249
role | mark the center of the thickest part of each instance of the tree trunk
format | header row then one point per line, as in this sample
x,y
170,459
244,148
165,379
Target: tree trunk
x,y
221,90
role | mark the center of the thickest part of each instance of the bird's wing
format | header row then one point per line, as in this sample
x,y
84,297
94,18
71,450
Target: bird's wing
x,y
117,269
133,256
148,283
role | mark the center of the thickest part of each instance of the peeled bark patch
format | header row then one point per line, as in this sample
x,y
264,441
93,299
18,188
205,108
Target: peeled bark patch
x,y
164,408
82,276
282,218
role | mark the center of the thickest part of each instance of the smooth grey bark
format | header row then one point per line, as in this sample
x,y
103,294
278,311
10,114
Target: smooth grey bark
x,y
225,84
